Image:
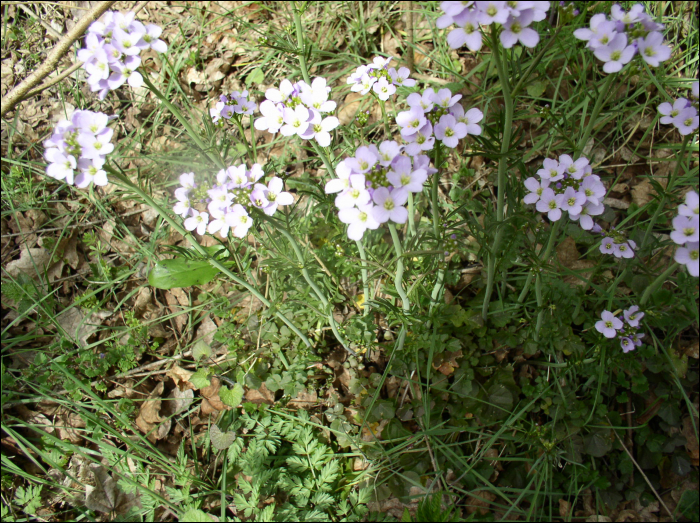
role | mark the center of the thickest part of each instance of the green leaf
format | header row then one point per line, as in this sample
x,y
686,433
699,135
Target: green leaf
x,y
231,397
256,76
196,516
597,443
181,272
201,350
221,440
536,88
200,379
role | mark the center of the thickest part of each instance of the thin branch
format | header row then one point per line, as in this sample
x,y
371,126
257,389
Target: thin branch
x,y
60,49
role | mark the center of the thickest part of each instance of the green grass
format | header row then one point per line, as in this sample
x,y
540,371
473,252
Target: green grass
x,y
538,413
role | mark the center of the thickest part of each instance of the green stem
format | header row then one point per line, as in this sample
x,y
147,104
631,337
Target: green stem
x,y
175,225
252,140
386,120
437,288
326,161
398,278
365,276
502,168
300,44
185,123
602,95
540,301
553,231
411,215
656,283
669,186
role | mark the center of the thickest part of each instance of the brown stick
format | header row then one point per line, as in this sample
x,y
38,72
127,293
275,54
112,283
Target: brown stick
x,y
49,65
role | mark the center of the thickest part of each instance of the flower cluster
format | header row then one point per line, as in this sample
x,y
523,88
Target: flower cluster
x,y
624,329
379,78
515,17
436,116
618,40
373,186
616,244
686,233
112,48
298,109
567,185
683,114
237,103
81,143
228,200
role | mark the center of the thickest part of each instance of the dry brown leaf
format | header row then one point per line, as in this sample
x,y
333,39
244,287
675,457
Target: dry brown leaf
x,y
67,424
564,509
643,193
32,262
691,442
262,395
150,408
304,400
78,326
447,362
206,330
567,253
178,401
480,501
67,250
616,204
181,377
349,108
106,496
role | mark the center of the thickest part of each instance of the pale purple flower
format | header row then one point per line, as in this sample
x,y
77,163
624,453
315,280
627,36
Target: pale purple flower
x,y
468,34
363,161
449,131
633,316
282,94
652,49
197,221
624,250
575,169
535,187
359,220
389,205
616,54
584,217
388,150
296,121
493,11
627,344
516,30
608,324
685,229
365,84
694,90
183,206
93,146
126,72
276,195
691,207
127,42
471,118
637,338
356,77
98,69
687,120
239,221
355,195
272,118
669,111
587,34
403,175
94,48
343,172
410,121
608,246
421,141
619,14
383,89
321,129
689,255
550,171
61,165
91,172
422,102
571,200
444,98
220,198
219,223
593,189
401,78
316,96
152,38
549,203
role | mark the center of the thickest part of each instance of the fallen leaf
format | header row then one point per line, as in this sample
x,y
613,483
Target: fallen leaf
x,y
149,421
106,496
262,395
480,501
304,400
32,262
78,326
181,377
447,362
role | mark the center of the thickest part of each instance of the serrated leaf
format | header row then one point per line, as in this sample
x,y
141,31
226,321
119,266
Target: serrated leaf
x,y
221,440
181,272
200,379
201,350
196,516
231,397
